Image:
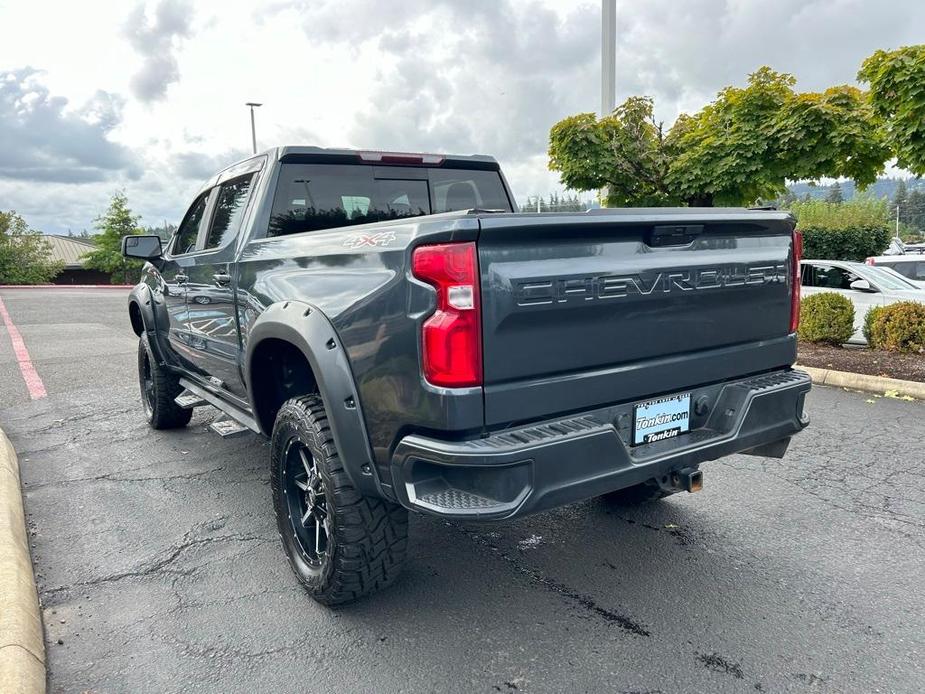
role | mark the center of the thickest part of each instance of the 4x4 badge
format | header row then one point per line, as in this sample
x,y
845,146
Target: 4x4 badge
x,y
381,238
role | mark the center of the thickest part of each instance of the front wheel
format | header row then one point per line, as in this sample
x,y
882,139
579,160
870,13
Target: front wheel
x,y
341,545
159,388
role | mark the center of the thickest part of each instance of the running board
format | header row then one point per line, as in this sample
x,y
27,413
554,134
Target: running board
x,y
228,428
235,413
188,400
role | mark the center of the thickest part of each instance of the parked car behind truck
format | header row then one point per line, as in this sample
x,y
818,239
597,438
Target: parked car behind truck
x,y
409,342
865,286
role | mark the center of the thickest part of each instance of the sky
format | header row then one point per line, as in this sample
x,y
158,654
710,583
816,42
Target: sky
x,y
148,97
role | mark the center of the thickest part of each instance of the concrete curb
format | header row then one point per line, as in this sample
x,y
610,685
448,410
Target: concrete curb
x,y
870,384
22,648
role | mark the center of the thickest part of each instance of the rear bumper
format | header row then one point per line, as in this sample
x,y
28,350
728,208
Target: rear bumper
x,y
541,466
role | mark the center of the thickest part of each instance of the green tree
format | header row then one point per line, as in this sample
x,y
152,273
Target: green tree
x,y
116,222
914,212
897,95
740,148
834,195
24,253
625,152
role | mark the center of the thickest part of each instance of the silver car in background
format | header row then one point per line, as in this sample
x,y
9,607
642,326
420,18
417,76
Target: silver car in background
x,y
865,285
910,266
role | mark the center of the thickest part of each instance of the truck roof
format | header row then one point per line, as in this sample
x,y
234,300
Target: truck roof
x,y
334,155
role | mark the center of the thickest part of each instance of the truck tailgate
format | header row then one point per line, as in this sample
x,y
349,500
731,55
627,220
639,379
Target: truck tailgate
x,y
580,310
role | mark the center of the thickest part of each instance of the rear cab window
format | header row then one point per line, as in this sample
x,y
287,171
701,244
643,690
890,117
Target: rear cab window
x,y
313,197
230,205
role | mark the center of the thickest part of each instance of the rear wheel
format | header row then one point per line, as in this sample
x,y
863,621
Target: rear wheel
x,y
159,388
341,545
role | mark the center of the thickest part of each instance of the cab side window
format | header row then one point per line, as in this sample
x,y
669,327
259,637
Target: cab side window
x,y
229,211
185,239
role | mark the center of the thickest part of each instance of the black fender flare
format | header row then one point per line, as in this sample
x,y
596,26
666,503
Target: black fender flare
x,y
307,328
141,297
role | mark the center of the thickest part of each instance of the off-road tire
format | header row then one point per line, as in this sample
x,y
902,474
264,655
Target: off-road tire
x,y
645,493
159,388
367,537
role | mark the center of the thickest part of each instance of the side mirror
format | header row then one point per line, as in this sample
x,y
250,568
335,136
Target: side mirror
x,y
144,247
861,286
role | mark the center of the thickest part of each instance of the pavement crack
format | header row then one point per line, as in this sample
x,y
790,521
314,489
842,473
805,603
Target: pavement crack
x,y
162,565
586,602
116,477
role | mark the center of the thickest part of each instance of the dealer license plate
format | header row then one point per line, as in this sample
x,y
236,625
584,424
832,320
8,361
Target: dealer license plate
x,y
664,418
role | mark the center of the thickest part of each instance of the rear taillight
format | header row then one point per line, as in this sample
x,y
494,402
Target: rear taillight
x,y
451,339
871,261
796,279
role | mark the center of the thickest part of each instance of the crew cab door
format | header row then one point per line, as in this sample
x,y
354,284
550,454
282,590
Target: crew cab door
x,y
214,345
174,275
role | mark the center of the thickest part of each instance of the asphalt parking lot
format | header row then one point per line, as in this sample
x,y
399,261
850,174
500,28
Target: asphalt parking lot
x,y
159,568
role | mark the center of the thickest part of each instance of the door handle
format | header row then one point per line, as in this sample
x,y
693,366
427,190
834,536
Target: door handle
x,y
222,278
180,278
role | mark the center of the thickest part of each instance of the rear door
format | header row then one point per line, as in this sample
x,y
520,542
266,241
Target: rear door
x,y
587,309
213,328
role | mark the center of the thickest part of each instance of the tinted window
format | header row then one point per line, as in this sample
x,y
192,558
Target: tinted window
x,y
185,240
915,271
806,275
229,211
311,197
458,189
833,277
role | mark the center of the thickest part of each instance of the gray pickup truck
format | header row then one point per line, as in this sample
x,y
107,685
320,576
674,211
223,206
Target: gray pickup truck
x,y
408,341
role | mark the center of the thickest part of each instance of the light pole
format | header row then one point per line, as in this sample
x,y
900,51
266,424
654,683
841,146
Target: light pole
x,y
253,127
608,66
608,56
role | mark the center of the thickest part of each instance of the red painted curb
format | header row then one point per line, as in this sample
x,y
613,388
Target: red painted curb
x,y
66,286
31,377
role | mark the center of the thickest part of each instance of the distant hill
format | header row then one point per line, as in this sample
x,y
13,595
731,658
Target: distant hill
x,y
883,188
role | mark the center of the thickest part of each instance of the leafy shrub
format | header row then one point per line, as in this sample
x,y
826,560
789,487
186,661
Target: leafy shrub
x,y
869,323
827,317
899,327
850,230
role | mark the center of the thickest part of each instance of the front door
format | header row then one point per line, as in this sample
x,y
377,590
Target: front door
x,y
210,301
175,276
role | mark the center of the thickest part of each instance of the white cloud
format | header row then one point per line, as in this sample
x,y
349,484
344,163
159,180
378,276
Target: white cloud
x,y
156,39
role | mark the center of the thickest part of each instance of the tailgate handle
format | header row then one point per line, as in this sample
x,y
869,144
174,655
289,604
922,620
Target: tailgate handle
x,y
674,234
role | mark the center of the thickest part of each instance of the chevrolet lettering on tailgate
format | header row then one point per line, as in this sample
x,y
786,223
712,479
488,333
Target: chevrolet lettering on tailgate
x,y
561,289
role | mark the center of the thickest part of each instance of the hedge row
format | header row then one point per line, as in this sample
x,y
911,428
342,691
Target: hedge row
x,y
851,230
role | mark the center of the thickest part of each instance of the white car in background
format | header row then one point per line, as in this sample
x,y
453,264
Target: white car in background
x,y
911,266
865,285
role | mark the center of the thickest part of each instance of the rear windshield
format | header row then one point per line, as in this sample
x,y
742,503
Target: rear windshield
x,y
310,197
